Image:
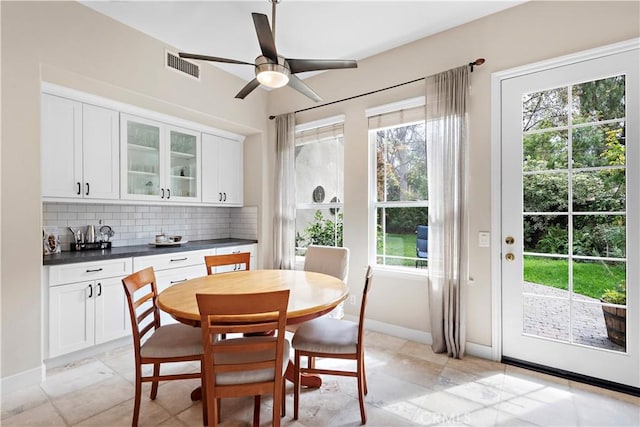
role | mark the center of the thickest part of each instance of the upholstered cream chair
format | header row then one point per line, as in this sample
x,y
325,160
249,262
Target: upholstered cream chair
x,y
330,260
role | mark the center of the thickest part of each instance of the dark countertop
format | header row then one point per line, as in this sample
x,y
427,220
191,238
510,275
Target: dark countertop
x,y
139,250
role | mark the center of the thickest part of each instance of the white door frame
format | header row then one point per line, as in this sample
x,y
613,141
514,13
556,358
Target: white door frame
x,y
496,168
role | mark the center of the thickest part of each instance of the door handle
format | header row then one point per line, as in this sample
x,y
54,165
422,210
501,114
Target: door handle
x,y
90,291
79,188
162,197
168,193
87,193
99,289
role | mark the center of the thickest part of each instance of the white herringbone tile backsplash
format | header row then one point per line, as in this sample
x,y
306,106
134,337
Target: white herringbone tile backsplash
x,y
138,224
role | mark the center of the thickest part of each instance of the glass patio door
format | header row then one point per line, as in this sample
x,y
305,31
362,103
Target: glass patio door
x,y
570,218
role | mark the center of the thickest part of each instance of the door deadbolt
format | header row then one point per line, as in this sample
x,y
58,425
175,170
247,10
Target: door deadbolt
x,y
509,240
510,256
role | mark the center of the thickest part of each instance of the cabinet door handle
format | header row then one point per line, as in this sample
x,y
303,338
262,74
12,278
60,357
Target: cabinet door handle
x,y
87,193
219,197
79,189
178,259
168,193
162,197
90,291
225,197
94,270
99,289
177,281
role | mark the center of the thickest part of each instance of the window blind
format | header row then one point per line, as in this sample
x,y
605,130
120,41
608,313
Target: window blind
x,y
398,113
319,134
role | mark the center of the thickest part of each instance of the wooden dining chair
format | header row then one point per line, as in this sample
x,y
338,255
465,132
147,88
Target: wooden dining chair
x,y
244,366
333,338
155,344
237,260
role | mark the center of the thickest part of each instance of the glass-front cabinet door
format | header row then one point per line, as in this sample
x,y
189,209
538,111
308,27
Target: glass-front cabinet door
x,y
183,154
142,141
159,161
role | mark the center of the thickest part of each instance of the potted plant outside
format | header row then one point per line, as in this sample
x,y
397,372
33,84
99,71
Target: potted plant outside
x,y
615,318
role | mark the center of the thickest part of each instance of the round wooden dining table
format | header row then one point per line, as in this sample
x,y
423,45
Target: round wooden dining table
x,y
310,295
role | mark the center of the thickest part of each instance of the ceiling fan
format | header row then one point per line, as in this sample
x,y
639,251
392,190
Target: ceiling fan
x,y
274,70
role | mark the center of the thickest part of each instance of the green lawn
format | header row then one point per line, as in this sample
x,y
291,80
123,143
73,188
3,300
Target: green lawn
x,y
589,278
400,245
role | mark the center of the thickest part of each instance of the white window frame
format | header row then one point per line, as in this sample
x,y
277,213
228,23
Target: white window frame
x,y
374,205
333,120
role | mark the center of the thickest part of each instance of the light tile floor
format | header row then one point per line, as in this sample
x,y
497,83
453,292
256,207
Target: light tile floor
x,y
409,385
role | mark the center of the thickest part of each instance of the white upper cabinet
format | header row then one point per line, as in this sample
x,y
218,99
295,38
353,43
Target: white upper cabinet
x,y
79,149
94,148
160,162
222,171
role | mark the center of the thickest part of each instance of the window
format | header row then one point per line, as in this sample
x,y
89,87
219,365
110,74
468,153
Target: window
x,y
399,182
319,164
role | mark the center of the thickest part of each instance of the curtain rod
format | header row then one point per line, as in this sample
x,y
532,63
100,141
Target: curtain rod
x,y
478,62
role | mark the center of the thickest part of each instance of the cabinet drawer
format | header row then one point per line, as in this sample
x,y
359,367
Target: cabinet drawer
x,y
172,260
236,249
71,273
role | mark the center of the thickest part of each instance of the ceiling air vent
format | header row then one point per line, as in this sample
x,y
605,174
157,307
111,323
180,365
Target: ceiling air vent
x,y
176,63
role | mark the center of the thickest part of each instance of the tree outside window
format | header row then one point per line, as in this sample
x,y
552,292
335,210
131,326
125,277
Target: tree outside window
x,y
401,191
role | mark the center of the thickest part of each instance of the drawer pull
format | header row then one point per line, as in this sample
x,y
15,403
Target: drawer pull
x,y
177,281
95,270
179,259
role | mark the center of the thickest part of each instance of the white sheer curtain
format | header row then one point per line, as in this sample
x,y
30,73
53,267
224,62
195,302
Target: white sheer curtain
x,y
285,212
446,111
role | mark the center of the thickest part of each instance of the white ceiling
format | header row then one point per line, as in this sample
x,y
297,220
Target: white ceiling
x,y
304,28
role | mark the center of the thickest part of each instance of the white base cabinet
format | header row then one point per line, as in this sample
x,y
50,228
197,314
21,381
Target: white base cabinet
x,y
236,250
86,312
171,269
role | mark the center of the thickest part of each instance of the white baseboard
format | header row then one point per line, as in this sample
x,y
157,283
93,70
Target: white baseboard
x,y
479,350
22,379
472,349
87,352
35,376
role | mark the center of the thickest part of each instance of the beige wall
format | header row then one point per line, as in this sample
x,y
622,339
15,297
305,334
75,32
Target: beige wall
x,y
70,45
528,33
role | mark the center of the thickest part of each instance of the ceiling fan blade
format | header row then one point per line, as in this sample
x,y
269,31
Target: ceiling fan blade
x,y
211,58
249,87
301,87
302,65
265,37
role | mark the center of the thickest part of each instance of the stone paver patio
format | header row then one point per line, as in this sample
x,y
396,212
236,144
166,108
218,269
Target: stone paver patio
x,y
549,318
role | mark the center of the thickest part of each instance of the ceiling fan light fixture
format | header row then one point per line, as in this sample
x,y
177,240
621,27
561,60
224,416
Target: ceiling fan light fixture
x,y
272,75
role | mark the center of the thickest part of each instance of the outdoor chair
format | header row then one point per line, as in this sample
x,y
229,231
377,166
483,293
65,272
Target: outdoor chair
x,y
422,245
